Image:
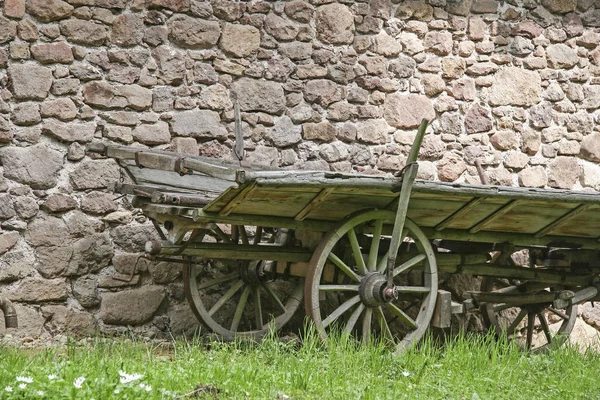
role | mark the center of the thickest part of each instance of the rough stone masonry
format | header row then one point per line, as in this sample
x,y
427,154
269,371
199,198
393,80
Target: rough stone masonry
x,y
322,84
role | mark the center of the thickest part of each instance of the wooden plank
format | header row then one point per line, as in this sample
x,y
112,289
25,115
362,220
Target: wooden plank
x,y
494,216
562,220
173,179
315,202
281,203
237,200
459,214
528,218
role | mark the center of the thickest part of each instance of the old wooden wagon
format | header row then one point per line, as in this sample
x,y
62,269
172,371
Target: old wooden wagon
x,y
364,252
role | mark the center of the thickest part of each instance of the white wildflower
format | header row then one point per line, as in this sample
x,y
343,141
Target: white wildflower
x,y
405,373
26,379
145,387
78,383
116,391
52,377
8,388
128,378
22,385
40,393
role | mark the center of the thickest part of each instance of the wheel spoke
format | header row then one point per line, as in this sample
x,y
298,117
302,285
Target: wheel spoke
x,y
382,264
511,329
502,307
235,234
239,310
358,258
385,329
413,289
345,306
258,235
258,308
271,293
228,295
409,264
402,315
213,282
339,288
345,268
374,251
545,327
366,325
353,318
222,234
243,234
559,313
530,323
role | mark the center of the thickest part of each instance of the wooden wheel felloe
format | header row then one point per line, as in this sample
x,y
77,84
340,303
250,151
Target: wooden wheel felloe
x,y
239,298
346,281
534,327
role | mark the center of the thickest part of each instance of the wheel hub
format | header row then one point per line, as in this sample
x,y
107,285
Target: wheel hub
x,y
374,291
252,272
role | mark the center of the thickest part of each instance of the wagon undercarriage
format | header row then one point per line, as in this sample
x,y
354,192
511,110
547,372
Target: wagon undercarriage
x,y
364,252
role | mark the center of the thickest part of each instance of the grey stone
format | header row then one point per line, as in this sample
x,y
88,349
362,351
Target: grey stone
x,y
541,115
58,202
402,66
137,97
590,147
26,207
284,133
84,32
152,134
8,240
64,86
171,64
127,30
560,6
132,238
256,95
131,307
323,131
7,208
215,97
69,132
322,91
373,131
26,113
30,81
561,56
48,53
439,43
239,40
205,73
118,133
198,124
16,265
407,111
118,217
33,290
63,109
36,166
515,86
49,10
296,50
94,174
335,24
451,167
563,172
98,203
75,152
533,177
478,119
193,33
164,272
280,28
592,97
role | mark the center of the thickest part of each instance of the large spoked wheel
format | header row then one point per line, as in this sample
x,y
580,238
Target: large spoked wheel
x,y
239,298
533,327
346,289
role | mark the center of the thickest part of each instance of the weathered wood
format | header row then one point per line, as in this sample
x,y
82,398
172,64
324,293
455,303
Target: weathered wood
x,y
517,299
562,220
443,310
416,146
174,180
581,296
459,214
494,216
237,200
314,203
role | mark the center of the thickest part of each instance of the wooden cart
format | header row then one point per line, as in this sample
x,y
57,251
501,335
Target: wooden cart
x,y
364,252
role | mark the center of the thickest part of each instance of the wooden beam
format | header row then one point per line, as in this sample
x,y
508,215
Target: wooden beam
x,y
560,221
459,213
494,216
237,200
314,203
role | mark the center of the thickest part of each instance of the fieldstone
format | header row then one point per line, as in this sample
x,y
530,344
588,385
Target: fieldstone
x,y
131,307
228,10
515,86
373,131
164,272
75,152
477,27
108,281
560,6
127,30
450,123
433,85
69,132
182,321
205,73
118,217
26,207
553,134
439,43
31,321
152,134
98,203
7,209
592,97
155,35
561,56
280,28
62,108
58,202
322,91
48,53
411,43
30,81
256,95
84,32
215,97
299,10
27,113
296,50
403,66
8,29
47,231
534,177
33,290
15,265
335,24
530,141
516,160
589,176
505,140
413,9
590,147
563,172
463,89
239,40
118,4
14,8
198,124
193,32
478,119
137,97
386,45
49,10
284,133
102,94
26,29
174,5
132,238
184,145
7,241
36,166
95,174
451,167
541,115
64,86
406,111
323,131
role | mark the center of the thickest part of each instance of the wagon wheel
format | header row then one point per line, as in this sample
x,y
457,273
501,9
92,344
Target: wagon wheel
x,y
531,326
239,298
346,282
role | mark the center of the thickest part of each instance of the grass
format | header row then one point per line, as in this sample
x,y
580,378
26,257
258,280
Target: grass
x,y
465,367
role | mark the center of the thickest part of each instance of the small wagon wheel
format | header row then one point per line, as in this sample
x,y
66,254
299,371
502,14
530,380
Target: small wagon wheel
x,y
346,281
534,327
239,298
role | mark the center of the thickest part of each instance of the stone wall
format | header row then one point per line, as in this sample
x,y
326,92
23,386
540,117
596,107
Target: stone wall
x,y
321,84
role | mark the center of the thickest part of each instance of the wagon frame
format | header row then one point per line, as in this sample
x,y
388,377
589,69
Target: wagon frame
x,y
363,252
